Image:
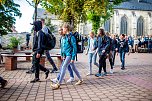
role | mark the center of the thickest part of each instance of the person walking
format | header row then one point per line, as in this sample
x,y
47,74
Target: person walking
x,y
69,52
123,48
27,40
110,54
45,29
92,45
38,48
71,79
114,48
103,48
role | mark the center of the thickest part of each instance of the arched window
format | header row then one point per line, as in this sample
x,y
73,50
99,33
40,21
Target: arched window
x,y
107,26
140,26
124,26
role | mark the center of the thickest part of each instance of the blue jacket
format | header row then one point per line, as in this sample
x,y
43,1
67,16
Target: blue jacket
x,y
68,46
103,44
95,44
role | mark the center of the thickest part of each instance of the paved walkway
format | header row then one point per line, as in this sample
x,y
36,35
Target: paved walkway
x,y
132,84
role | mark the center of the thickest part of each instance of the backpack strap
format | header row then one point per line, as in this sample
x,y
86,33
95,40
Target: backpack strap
x,y
69,40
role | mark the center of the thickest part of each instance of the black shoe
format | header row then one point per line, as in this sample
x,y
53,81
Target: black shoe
x,y
54,70
47,74
30,72
35,80
123,68
3,83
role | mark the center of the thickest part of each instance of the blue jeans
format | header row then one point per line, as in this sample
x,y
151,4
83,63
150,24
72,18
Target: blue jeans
x,y
95,58
64,67
122,59
90,62
69,69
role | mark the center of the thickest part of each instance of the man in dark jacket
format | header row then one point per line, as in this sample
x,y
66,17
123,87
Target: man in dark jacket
x,y
123,48
38,48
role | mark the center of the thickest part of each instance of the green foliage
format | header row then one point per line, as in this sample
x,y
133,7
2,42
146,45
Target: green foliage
x,y
8,11
49,24
76,11
95,20
68,10
14,42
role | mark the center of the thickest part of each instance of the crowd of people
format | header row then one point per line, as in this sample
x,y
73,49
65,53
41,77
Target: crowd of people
x,y
141,42
104,45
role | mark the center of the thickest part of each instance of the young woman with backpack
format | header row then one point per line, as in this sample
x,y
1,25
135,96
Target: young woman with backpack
x,y
69,51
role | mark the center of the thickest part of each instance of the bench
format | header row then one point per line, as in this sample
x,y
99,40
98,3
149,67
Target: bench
x,y
142,50
26,53
11,60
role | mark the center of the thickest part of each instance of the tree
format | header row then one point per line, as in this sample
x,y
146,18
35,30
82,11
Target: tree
x,y
70,11
8,11
34,4
76,11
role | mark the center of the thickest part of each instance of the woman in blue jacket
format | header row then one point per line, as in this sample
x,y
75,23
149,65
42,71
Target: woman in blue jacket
x,y
103,48
69,51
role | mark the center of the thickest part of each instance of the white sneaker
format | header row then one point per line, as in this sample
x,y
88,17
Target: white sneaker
x,y
111,71
89,74
79,82
70,80
54,80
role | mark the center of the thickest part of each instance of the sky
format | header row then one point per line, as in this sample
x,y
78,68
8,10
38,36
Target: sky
x,y
23,23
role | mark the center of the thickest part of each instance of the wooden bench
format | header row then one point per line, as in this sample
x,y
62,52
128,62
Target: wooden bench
x,y
11,60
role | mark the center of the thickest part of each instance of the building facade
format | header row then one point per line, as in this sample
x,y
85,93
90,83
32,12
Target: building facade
x,y
131,18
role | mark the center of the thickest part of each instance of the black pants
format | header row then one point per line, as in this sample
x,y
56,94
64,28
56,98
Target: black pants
x,y
27,43
111,59
102,63
1,79
50,60
37,66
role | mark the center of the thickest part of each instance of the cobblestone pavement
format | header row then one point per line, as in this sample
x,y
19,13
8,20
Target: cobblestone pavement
x,y
132,84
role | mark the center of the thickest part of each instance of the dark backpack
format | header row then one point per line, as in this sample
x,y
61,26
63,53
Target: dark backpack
x,y
50,40
78,39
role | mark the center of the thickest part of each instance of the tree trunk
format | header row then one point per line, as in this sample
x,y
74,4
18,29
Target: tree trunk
x,y
35,12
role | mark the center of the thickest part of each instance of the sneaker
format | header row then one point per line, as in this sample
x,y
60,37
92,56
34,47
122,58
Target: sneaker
x,y
55,86
4,83
105,73
35,80
79,82
54,80
70,80
89,74
47,74
30,72
96,64
111,71
54,70
98,75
